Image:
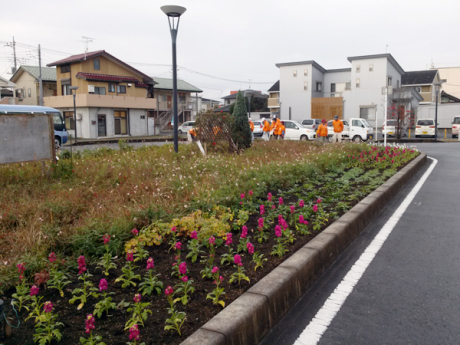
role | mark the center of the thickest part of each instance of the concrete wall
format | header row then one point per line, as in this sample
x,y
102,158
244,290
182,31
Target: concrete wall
x,y
452,75
446,113
292,93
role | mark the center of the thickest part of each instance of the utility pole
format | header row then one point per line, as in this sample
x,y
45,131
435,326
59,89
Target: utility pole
x,y
40,81
14,54
385,118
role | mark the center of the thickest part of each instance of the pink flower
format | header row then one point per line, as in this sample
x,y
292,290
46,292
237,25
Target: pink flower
x,y
292,207
215,269
306,223
184,279
48,307
90,323
242,196
34,290
315,208
262,210
229,239
278,231
221,279
52,257
137,298
178,245
269,196
284,224
244,232
194,235
134,333
169,290
21,268
301,219
173,229
135,232
81,264
392,161
301,203
150,264
251,193
250,248
280,201
237,260
130,256
260,223
106,239
103,285
318,201
212,240
273,207
183,268
279,218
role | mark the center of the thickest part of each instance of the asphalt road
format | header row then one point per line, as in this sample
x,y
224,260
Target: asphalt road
x,y
410,292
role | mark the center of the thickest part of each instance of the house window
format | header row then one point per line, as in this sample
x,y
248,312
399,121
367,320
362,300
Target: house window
x,y
29,93
418,89
164,98
305,72
69,120
305,86
120,122
97,64
20,93
389,81
348,86
99,90
319,86
121,88
358,68
364,113
182,98
295,73
357,82
333,87
397,84
66,90
65,68
111,87
371,67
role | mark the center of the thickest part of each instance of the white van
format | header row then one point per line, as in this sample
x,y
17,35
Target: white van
x,y
455,126
424,128
360,130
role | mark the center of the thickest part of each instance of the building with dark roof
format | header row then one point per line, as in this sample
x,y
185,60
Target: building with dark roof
x,y
423,82
27,89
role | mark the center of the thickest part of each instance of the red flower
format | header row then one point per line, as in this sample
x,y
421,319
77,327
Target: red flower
x,y
106,239
52,257
90,323
48,307
214,143
169,290
34,290
137,298
81,264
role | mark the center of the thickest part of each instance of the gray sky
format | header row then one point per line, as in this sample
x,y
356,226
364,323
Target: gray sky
x,y
237,40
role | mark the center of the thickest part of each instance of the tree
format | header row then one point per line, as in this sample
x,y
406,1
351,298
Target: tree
x,y
241,132
400,110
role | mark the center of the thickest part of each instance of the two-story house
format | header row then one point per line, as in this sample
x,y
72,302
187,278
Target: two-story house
x,y
112,98
27,90
423,82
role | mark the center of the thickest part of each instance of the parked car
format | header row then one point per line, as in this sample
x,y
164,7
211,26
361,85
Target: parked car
x,y
330,130
311,123
425,128
295,131
360,130
185,127
258,128
389,127
455,126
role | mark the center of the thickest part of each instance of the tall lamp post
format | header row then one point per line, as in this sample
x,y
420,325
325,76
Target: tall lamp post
x,y
437,85
72,89
174,12
249,94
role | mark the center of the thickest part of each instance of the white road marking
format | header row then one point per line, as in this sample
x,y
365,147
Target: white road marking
x,y
323,318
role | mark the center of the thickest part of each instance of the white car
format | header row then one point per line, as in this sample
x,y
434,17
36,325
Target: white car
x,y
311,123
360,130
185,127
295,131
389,127
258,128
424,128
455,126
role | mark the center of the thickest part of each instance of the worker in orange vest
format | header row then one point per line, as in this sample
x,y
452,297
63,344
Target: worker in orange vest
x,y
266,129
282,130
338,129
251,125
191,135
275,127
322,131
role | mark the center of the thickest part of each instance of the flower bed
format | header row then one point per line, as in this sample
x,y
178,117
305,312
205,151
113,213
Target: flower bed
x,y
175,275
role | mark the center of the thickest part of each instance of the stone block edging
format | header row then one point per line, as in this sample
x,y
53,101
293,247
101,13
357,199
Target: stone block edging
x,y
251,316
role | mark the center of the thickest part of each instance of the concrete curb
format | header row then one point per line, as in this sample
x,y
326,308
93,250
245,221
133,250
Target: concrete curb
x,y
251,316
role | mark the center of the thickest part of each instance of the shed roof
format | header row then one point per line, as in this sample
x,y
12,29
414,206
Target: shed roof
x,y
48,74
167,84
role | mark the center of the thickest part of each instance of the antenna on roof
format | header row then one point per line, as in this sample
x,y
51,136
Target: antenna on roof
x,y
386,49
249,84
432,63
86,40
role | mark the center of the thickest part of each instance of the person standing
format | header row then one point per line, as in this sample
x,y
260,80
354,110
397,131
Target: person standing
x,y
266,129
275,127
251,125
338,129
322,132
191,135
282,130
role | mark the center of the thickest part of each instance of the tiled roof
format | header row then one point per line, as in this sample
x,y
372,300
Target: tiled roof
x,y
275,87
257,94
418,77
48,74
167,84
76,58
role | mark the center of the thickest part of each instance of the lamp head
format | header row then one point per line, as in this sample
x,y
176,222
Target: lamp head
x,y
173,11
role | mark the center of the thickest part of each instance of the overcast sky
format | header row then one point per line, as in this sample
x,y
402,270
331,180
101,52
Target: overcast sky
x,y
236,40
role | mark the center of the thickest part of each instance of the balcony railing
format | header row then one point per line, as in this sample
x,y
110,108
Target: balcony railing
x,y
105,101
273,103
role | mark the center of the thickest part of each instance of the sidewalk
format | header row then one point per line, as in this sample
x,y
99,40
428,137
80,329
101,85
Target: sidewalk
x,y
149,138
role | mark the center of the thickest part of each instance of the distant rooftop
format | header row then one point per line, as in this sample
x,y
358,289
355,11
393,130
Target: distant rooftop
x,y
257,94
48,74
275,87
167,84
418,77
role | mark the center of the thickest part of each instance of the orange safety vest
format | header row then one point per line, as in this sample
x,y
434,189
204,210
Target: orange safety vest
x,y
266,126
322,131
338,126
251,124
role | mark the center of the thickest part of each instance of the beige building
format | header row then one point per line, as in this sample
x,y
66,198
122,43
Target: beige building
x,y
274,103
452,84
423,82
27,90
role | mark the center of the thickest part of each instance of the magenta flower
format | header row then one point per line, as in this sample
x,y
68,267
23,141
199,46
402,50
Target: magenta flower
x,y
135,232
169,290
284,224
34,290
137,298
244,232
242,196
215,269
392,161
212,240
229,239
81,264
301,219
292,207
250,248
130,256
315,208
183,268
48,307
301,203
194,235
173,229
278,231
106,239
52,257
273,207
150,264
251,193
21,268
184,279
90,323
280,201
262,210
103,285
237,260
134,333
178,245
269,196
279,218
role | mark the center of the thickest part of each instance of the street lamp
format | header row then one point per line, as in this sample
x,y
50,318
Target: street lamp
x,y
249,93
437,85
74,88
174,12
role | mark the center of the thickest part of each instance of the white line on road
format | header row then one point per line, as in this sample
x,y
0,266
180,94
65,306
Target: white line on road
x,y
323,318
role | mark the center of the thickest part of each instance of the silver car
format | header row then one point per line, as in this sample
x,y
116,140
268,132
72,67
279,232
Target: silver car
x,y
185,127
311,123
